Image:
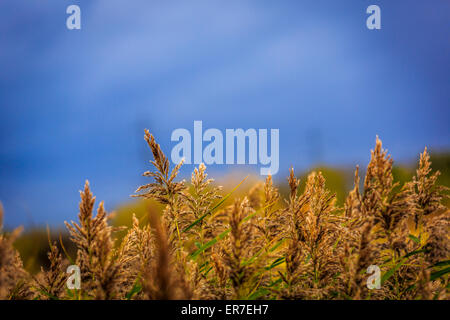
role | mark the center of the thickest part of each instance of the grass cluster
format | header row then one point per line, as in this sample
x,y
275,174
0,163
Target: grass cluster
x,y
260,247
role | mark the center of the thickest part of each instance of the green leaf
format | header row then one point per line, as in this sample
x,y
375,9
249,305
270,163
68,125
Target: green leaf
x,y
52,297
250,261
411,287
277,262
405,256
258,294
207,271
441,263
209,244
277,245
391,271
274,283
69,292
415,252
203,266
439,273
65,251
136,289
414,238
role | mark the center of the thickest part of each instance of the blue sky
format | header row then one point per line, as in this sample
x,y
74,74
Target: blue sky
x,y
74,103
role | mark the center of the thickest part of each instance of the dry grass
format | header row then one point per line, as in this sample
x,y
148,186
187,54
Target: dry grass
x,y
259,247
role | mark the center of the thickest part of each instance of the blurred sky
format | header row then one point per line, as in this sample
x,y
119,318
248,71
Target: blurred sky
x,y
74,103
